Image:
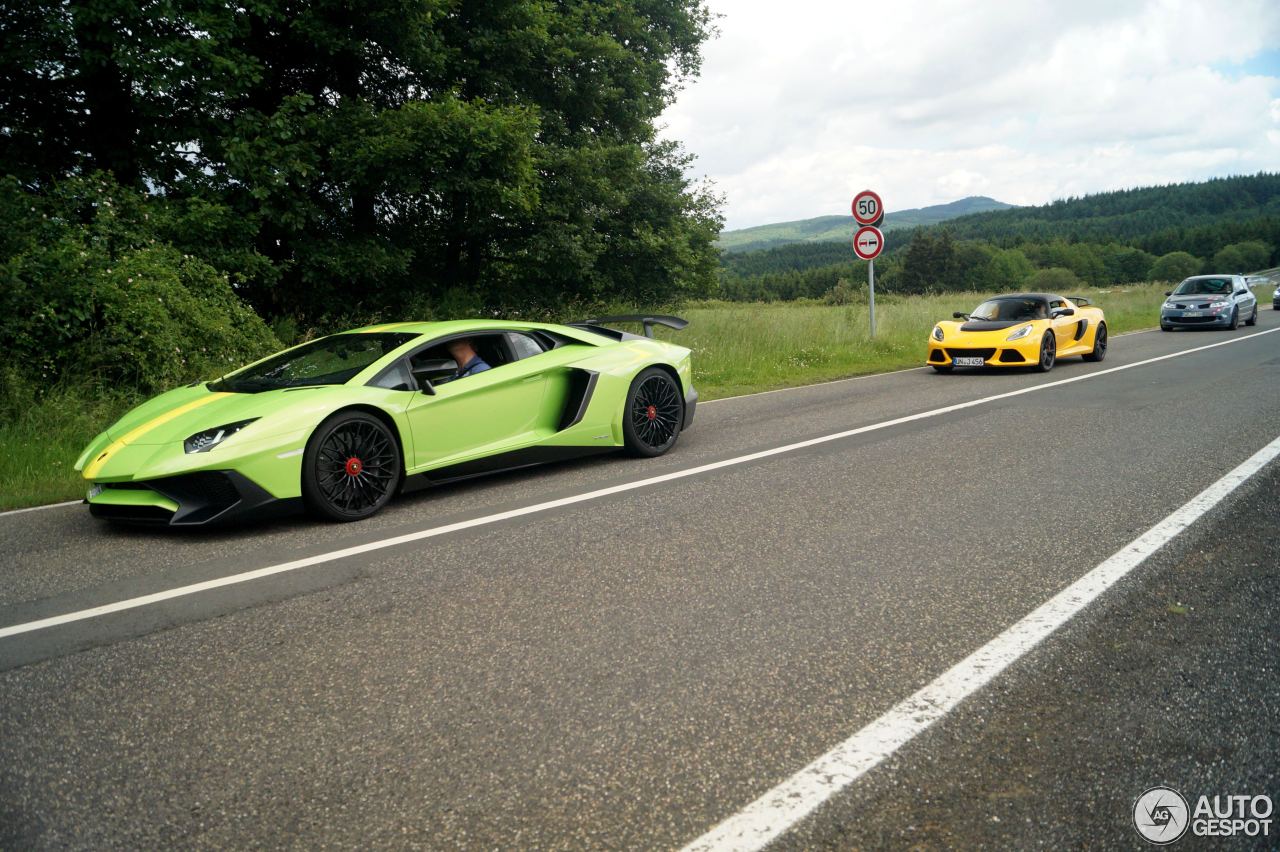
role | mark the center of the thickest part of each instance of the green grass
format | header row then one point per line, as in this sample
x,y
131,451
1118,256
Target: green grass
x,y
39,446
744,348
738,348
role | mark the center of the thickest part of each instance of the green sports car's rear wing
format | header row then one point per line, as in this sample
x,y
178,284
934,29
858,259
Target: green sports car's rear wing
x,y
647,320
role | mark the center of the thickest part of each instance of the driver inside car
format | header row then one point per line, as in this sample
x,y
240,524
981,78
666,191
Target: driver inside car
x,y
464,353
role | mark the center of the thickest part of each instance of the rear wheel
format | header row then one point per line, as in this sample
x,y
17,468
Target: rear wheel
x,y
1099,344
1253,320
1048,352
351,467
653,415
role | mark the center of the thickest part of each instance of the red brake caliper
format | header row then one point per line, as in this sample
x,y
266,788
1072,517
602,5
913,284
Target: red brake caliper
x,y
651,412
354,466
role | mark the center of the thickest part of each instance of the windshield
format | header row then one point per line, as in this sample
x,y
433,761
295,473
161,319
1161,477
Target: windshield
x,y
327,361
1204,287
1011,309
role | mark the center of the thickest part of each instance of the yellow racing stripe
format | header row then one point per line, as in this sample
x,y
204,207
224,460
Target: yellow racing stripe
x,y
92,468
385,327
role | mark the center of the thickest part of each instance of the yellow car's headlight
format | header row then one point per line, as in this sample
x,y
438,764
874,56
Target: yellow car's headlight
x,y
1020,333
937,333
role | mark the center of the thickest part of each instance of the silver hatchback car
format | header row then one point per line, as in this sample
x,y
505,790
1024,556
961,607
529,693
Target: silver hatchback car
x,y
1209,301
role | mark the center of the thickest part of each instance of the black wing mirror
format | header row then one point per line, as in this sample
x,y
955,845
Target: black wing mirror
x,y
959,315
424,384
1168,292
1064,312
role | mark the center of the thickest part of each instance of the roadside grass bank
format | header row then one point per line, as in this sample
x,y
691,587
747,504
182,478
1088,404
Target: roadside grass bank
x,y
40,444
739,348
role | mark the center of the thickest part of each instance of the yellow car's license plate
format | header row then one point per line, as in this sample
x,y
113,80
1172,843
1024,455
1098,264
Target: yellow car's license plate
x,y
968,362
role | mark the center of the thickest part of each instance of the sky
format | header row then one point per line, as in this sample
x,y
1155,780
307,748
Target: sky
x,y
800,104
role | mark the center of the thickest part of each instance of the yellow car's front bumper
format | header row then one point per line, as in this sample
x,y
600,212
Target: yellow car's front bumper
x,y
992,347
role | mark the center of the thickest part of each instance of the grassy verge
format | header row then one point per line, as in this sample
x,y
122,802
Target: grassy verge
x,y
738,348
39,446
743,348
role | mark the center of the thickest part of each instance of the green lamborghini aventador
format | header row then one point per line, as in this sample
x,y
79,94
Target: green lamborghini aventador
x,y
339,425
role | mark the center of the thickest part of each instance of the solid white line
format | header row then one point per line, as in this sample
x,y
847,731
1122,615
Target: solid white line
x,y
859,378
246,576
38,508
771,815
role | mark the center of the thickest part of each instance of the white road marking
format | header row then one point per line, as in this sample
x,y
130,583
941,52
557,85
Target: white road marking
x,y
774,813
38,508
294,565
860,378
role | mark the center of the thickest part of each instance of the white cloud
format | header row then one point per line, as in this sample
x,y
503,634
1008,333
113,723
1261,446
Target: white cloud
x,y
802,104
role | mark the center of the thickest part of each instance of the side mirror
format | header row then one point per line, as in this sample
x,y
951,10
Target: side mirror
x,y
1168,292
958,315
1064,312
424,384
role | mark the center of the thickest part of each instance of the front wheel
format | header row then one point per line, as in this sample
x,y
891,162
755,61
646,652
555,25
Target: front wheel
x,y
653,415
1099,344
1235,319
351,467
942,368
1048,353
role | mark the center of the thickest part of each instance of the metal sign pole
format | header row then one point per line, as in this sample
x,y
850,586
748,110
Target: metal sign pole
x,y
871,280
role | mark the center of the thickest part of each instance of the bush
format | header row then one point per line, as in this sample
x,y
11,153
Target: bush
x,y
1249,256
88,293
1174,266
1054,280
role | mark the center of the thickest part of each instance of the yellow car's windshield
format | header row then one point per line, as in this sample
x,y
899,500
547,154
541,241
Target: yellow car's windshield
x,y
1011,309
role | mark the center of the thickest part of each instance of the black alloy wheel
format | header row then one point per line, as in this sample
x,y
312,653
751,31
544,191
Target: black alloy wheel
x,y
654,413
1099,344
1048,352
351,467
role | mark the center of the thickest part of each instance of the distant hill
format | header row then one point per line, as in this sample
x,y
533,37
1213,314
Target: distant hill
x,y
824,229
1103,239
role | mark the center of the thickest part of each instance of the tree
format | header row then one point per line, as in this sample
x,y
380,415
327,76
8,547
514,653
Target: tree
x,y
1054,280
1247,256
500,155
1010,269
929,264
1174,266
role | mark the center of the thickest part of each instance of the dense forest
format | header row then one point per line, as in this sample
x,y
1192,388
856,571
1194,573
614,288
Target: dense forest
x,y
184,182
1156,233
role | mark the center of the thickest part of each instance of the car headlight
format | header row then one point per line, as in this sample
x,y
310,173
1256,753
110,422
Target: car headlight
x,y
202,442
1219,303
937,333
1020,333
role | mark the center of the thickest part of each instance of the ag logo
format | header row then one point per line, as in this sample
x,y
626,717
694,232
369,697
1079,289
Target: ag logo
x,y
1161,815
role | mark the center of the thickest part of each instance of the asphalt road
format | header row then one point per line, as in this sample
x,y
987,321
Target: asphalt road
x,y
627,672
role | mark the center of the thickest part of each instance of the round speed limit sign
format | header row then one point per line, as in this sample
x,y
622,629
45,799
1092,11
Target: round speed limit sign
x,y
868,242
868,209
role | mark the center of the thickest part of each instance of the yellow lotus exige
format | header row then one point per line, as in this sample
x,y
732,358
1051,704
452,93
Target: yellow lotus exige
x,y
1022,330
